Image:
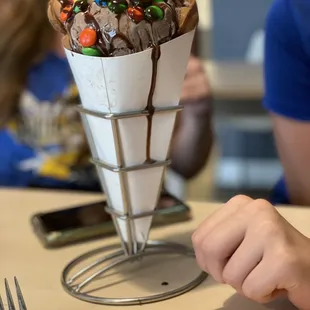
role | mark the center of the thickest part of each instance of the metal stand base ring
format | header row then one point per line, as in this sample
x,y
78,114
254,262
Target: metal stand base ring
x,y
117,259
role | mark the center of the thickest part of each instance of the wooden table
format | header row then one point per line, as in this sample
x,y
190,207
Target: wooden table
x,y
235,81
38,269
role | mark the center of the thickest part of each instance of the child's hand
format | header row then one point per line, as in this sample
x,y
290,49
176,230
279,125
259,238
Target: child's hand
x,y
250,246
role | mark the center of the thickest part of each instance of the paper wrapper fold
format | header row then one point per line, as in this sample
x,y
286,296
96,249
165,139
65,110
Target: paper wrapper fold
x,y
122,84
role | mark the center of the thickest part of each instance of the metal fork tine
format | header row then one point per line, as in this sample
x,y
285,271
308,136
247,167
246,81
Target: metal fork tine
x,y
1,304
9,295
21,301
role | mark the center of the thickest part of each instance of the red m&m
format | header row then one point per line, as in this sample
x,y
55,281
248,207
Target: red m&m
x,y
136,13
88,37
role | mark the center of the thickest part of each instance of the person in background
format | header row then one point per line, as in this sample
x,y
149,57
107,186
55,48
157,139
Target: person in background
x,y
287,84
20,47
247,244
41,135
42,144
193,137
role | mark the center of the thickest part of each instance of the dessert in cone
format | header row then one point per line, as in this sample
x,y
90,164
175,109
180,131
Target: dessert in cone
x,y
128,57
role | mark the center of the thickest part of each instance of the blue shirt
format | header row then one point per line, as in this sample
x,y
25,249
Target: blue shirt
x,y
34,152
287,66
49,78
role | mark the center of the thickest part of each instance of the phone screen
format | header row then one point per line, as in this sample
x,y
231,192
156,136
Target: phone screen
x,y
88,215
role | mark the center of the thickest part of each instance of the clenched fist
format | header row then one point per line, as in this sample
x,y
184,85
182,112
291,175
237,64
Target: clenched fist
x,y
250,246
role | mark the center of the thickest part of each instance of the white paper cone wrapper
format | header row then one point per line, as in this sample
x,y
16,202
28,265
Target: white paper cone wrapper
x,y
122,84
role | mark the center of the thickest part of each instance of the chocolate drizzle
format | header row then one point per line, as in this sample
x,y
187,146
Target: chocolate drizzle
x,y
120,35
124,38
105,39
102,43
156,53
107,45
165,5
121,38
68,26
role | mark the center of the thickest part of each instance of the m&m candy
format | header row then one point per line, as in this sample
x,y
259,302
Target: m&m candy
x,y
91,51
118,6
88,37
80,6
102,3
154,13
65,13
136,14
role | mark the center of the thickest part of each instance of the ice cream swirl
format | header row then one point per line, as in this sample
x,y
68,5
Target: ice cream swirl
x,y
121,27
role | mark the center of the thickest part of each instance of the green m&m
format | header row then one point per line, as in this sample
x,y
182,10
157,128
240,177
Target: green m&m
x,y
80,6
76,10
118,6
91,51
154,13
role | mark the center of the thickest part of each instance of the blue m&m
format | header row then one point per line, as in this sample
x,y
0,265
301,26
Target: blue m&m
x,y
102,3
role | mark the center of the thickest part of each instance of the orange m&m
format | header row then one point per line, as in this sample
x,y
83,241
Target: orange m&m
x,y
65,13
88,37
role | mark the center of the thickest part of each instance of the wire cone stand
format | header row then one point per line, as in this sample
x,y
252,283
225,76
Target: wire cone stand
x,y
82,273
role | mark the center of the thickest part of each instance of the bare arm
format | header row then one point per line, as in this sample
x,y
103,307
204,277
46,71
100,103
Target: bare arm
x,y
192,140
293,142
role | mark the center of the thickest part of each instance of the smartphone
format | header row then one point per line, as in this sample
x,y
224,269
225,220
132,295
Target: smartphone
x,y
82,223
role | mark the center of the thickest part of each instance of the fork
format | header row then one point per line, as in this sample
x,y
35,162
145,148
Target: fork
x,y
20,298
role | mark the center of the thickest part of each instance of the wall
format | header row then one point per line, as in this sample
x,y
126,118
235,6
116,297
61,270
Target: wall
x,y
234,22
205,14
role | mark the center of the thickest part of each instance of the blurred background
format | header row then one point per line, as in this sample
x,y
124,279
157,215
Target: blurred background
x,y
47,149
244,159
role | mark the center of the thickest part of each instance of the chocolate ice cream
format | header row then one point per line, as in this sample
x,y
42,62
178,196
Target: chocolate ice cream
x,y
121,27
